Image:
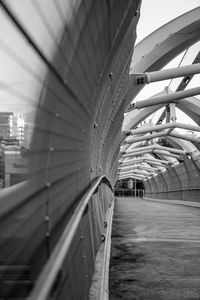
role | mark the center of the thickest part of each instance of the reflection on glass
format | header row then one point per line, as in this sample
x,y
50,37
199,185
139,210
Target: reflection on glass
x,y
22,78
13,149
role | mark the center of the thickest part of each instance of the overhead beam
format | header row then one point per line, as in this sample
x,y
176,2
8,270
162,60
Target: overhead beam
x,y
185,137
162,117
150,128
133,161
138,153
160,75
131,176
132,172
143,167
169,98
145,129
165,153
130,167
157,161
145,159
152,150
186,80
145,137
174,150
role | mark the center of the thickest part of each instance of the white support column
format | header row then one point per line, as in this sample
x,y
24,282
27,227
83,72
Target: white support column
x,y
156,146
146,129
137,153
169,98
126,168
148,77
172,107
132,174
157,161
132,161
166,153
133,177
146,137
150,169
184,137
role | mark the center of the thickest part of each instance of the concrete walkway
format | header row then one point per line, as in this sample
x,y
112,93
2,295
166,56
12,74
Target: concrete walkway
x,y
155,251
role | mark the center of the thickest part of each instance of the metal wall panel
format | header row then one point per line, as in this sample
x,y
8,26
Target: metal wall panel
x,y
181,183
76,135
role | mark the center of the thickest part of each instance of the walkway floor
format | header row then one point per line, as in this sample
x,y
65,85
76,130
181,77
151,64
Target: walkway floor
x,y
155,252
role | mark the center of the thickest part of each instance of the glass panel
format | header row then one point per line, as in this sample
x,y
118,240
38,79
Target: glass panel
x,y
22,79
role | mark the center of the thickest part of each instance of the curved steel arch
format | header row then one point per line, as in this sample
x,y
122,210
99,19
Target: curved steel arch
x,y
153,53
191,107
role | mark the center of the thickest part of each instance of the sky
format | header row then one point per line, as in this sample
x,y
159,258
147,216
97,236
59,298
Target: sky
x,y
155,13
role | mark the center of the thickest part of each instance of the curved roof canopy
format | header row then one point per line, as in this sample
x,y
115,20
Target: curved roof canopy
x,y
155,132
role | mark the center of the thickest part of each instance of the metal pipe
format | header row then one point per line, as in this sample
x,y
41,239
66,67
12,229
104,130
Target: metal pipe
x,y
123,168
134,174
145,129
133,177
172,108
187,126
148,77
127,172
164,126
137,153
185,137
120,173
158,162
172,97
146,137
127,162
173,73
166,153
154,160
156,146
182,152
141,172
149,169
138,149
160,151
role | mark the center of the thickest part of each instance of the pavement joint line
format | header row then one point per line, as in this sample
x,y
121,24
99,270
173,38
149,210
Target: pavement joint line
x,y
162,240
179,202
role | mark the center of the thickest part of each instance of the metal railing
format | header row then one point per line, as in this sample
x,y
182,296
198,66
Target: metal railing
x,y
129,193
50,273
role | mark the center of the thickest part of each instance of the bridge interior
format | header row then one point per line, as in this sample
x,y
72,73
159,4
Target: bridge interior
x,y
155,250
73,127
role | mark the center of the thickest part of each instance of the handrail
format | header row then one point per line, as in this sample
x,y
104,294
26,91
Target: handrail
x,y
51,270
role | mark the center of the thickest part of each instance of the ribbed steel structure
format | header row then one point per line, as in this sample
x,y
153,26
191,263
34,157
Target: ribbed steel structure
x,y
75,140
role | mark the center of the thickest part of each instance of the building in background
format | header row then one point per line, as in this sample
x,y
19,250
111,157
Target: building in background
x,y
13,162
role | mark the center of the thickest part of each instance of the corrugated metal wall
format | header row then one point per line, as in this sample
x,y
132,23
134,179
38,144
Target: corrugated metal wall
x,y
180,182
76,138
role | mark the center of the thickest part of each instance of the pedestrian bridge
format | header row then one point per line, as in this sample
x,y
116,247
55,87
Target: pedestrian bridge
x,y
73,132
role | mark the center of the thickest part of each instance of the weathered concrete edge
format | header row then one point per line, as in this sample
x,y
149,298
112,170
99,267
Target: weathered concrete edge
x,y
180,202
99,289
